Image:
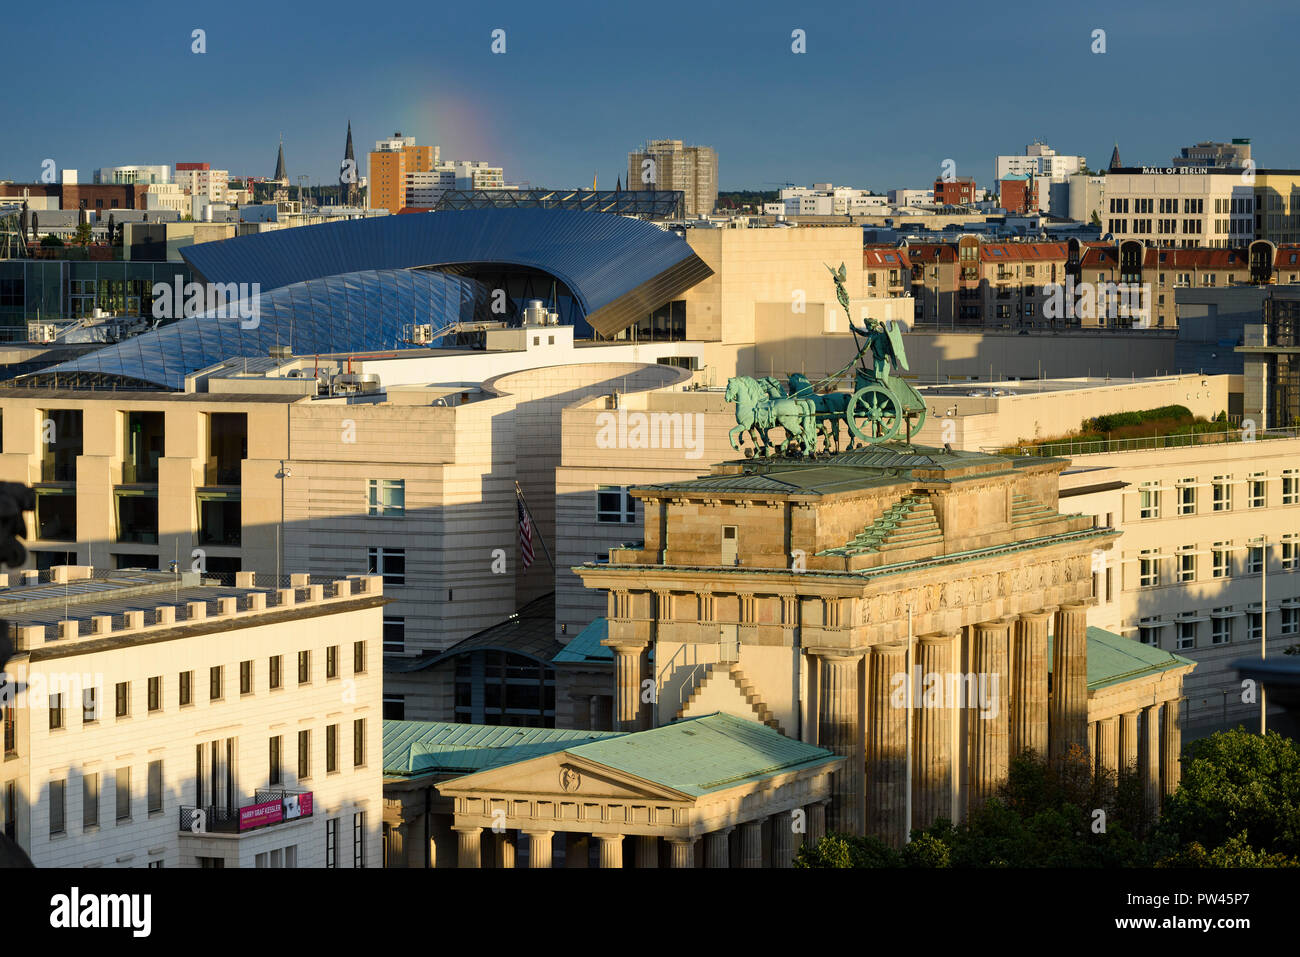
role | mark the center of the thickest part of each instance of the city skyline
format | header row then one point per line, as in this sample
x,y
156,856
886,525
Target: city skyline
x,y
854,93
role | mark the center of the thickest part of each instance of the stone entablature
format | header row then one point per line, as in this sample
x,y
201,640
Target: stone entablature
x,y
848,611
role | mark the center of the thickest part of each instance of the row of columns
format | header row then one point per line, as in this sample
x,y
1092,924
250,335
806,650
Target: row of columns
x,y
1021,715
1147,740
682,851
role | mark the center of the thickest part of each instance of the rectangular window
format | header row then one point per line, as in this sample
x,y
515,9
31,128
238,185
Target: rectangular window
x,y
1186,635
1220,629
332,842
1187,497
331,748
1290,621
274,671
304,667
332,661
1148,632
387,497
1254,626
1149,501
11,724
358,742
304,755
394,707
359,839
155,693
186,688
615,505
214,682
90,800
1222,493
1289,551
1187,563
89,706
1148,568
1290,486
394,635
58,823
123,790
56,711
155,787
1258,490
389,563
1221,560
274,774
246,677
122,699
358,657
1255,560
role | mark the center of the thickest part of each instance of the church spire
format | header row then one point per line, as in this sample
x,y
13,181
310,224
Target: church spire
x,y
1114,157
280,175
348,173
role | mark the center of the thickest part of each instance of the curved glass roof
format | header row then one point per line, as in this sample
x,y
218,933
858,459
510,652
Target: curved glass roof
x,y
619,269
354,312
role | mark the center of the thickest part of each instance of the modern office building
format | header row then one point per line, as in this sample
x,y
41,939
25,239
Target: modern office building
x,y
390,163
1180,207
160,720
1210,533
1038,160
668,165
1234,155
124,175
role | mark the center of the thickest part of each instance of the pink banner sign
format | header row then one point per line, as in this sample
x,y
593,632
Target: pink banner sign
x,y
257,815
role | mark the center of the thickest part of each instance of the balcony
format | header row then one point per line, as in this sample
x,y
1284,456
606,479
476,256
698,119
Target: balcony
x,y
270,806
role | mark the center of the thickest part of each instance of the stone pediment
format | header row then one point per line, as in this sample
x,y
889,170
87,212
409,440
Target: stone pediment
x,y
559,777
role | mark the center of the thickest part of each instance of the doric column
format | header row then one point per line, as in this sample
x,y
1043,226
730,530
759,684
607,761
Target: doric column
x,y
887,743
717,848
816,821
1029,684
1092,745
1108,744
575,849
989,723
1128,742
1150,764
838,731
628,675
1171,747
467,846
504,842
932,721
751,844
539,848
611,850
647,851
784,840
681,852
1068,713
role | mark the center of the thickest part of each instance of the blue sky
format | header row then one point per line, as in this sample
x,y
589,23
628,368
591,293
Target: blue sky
x,y
884,93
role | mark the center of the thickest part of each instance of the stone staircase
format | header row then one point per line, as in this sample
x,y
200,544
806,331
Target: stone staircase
x,y
1026,511
906,524
761,711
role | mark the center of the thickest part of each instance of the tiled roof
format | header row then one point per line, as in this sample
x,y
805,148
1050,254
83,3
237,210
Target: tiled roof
x,y
886,257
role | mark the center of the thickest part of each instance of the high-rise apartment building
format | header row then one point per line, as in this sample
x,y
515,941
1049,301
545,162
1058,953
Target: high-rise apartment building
x,y
201,179
390,162
667,164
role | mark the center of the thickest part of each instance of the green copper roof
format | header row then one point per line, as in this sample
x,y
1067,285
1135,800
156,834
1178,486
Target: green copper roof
x,y
586,645
1114,659
412,748
699,755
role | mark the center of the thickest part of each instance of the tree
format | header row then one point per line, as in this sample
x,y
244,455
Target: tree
x,y
83,235
51,241
1096,220
1239,800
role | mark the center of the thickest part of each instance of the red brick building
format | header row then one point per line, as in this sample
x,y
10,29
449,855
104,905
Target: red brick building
x,y
957,192
1019,194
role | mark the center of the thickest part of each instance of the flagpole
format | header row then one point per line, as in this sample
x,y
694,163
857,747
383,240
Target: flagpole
x,y
520,493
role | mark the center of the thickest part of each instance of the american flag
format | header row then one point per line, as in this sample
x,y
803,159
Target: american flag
x,y
525,534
